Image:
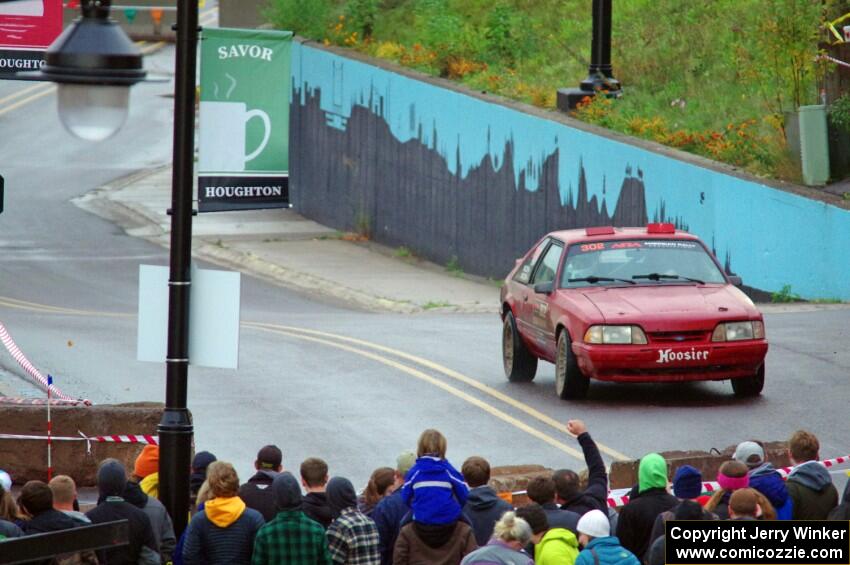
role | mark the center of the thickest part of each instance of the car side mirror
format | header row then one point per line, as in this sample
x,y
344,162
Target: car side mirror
x,y
736,280
545,288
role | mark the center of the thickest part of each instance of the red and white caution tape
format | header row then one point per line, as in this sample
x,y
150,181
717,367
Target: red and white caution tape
x,y
140,439
620,497
25,364
838,62
38,401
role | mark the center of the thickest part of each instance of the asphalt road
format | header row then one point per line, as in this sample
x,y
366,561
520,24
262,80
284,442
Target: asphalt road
x,y
318,378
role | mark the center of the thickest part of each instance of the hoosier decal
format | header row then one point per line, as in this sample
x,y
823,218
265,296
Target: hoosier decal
x,y
668,355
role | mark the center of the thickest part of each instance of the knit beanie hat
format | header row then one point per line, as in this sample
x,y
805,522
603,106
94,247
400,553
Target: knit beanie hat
x,y
147,462
595,524
111,478
341,494
200,463
287,492
652,472
687,482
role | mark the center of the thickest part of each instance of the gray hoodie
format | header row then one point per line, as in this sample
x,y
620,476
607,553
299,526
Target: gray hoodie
x,y
812,493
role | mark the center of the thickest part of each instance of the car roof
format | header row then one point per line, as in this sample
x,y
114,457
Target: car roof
x,y
580,235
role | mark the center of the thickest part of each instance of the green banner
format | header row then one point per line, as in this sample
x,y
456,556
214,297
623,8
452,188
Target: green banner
x,y
243,151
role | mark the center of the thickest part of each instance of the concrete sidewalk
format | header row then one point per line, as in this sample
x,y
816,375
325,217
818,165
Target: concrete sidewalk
x,y
283,247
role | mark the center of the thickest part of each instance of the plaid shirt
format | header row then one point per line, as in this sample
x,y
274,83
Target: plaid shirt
x,y
353,539
291,539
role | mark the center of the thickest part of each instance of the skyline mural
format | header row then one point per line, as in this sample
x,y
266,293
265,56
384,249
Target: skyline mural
x,y
452,175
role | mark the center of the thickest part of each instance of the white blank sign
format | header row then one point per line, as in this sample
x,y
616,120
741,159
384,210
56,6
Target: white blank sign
x,y
213,317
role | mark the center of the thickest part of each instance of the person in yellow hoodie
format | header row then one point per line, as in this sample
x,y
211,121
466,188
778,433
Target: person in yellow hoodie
x,y
223,532
552,546
146,470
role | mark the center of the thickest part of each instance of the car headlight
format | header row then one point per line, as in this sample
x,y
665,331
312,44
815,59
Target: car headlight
x,y
737,331
615,335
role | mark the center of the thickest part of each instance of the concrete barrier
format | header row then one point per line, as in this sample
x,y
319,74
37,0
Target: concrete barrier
x,y
26,460
513,478
624,474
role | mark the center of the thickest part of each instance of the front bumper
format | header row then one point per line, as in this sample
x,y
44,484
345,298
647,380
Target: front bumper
x,y
671,363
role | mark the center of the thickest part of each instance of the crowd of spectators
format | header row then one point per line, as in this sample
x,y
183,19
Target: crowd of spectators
x,y
422,511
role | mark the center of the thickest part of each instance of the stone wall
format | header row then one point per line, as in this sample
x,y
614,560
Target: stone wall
x,y
26,460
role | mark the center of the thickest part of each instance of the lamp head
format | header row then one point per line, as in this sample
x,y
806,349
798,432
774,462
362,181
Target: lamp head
x,y
94,64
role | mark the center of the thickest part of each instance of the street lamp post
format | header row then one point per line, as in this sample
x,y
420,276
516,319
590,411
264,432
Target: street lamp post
x,y
600,75
94,64
175,429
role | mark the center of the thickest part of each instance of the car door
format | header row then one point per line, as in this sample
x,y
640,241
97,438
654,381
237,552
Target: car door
x,y
540,321
521,289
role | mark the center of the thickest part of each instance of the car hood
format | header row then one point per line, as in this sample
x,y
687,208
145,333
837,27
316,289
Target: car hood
x,y
662,304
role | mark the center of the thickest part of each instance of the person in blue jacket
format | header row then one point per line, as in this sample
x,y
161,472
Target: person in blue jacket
x,y
433,489
600,548
764,478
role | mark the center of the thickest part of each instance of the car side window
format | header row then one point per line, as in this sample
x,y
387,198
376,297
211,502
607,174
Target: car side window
x,y
548,265
523,274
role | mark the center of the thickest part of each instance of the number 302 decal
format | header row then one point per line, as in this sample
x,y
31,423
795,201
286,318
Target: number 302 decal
x,y
592,247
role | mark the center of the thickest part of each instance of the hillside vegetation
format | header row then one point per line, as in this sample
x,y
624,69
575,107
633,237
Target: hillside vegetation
x,y
712,78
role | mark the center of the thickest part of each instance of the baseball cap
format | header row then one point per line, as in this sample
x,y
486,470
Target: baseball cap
x,y
750,453
269,457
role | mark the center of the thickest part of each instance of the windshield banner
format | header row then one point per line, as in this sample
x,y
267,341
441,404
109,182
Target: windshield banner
x,y
243,152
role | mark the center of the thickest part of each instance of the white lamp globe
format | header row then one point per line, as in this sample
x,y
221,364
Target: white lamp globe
x,y
93,112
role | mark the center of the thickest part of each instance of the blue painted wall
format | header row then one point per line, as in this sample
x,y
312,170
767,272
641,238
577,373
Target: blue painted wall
x,y
770,237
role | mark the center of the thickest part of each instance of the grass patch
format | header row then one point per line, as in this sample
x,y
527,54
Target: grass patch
x,y
827,301
332,236
453,267
431,305
784,295
711,78
403,253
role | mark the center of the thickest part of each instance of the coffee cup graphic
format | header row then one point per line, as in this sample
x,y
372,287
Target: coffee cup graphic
x,y
223,140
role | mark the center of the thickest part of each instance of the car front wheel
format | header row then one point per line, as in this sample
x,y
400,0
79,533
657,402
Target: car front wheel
x,y
520,364
569,380
749,386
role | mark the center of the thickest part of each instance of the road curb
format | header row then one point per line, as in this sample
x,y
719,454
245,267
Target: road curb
x,y
250,263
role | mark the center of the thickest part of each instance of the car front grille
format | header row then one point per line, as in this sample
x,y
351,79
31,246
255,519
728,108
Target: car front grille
x,y
680,337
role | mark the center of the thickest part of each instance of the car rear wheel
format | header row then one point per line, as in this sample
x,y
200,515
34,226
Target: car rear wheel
x,y
569,380
520,364
749,386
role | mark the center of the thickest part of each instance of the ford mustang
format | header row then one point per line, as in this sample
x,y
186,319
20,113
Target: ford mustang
x,y
630,305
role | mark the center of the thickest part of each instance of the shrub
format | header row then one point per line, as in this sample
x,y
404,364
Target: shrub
x,y
309,18
361,15
839,113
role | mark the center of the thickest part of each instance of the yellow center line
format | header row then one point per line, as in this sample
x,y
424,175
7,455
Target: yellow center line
x,y
153,47
536,414
466,397
46,309
23,91
27,100
323,337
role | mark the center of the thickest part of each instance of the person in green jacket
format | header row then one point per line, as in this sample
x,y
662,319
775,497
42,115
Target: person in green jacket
x,y
291,538
599,546
552,546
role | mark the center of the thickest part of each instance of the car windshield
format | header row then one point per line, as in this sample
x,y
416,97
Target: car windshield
x,y
642,261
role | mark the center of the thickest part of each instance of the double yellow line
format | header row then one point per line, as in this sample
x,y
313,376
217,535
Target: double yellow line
x,y
411,365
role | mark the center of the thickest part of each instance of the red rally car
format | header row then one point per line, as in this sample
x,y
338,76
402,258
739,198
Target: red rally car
x,y
630,305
